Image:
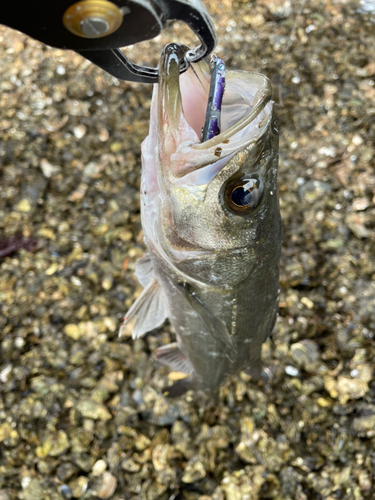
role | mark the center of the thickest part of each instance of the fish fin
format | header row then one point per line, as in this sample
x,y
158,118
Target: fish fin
x,y
144,269
148,311
179,388
172,356
215,325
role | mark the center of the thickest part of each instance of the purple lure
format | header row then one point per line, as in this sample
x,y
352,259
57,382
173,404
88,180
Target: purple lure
x,y
215,98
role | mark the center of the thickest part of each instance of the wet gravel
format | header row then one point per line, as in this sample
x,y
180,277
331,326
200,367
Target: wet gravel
x,y
81,411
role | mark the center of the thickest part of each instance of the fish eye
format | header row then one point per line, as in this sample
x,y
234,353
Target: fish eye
x,y
243,194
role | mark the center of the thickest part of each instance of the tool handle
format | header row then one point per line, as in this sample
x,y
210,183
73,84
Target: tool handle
x,y
98,28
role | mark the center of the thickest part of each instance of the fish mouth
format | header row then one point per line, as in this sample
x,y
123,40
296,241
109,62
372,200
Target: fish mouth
x,y
181,106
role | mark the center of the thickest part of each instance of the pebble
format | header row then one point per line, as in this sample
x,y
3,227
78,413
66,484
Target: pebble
x,y
73,331
19,342
80,131
360,204
129,465
108,487
5,430
52,269
305,354
345,388
99,467
5,372
79,486
32,489
356,223
194,471
24,205
307,302
54,445
66,492
60,70
115,147
92,409
292,371
103,135
364,424
48,169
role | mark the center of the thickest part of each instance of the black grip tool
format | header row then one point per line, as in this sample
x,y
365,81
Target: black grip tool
x,y
98,28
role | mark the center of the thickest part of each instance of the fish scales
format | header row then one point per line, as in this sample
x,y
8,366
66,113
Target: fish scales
x,y
211,224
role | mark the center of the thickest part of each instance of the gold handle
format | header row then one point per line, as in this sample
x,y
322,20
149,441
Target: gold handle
x,y
92,18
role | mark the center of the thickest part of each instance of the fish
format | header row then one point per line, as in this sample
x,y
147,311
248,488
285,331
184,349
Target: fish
x,y
212,226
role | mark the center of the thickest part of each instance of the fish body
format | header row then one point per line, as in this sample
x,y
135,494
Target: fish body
x,y
210,216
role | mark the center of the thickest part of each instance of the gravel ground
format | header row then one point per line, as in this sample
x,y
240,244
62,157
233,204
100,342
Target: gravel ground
x,y
81,413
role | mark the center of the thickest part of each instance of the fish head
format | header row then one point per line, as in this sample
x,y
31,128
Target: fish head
x,y
210,209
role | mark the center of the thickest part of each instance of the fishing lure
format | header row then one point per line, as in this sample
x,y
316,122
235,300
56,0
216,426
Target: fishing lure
x,y
212,124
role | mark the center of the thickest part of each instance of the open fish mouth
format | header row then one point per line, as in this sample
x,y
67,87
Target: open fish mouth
x,y
185,213
181,106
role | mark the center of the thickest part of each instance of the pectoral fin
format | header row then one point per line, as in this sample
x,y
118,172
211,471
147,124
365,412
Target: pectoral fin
x,y
144,270
148,311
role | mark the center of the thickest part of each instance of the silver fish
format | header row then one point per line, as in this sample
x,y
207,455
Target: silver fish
x,y
210,215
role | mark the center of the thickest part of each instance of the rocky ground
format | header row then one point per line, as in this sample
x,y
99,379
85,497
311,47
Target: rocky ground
x,y
81,412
